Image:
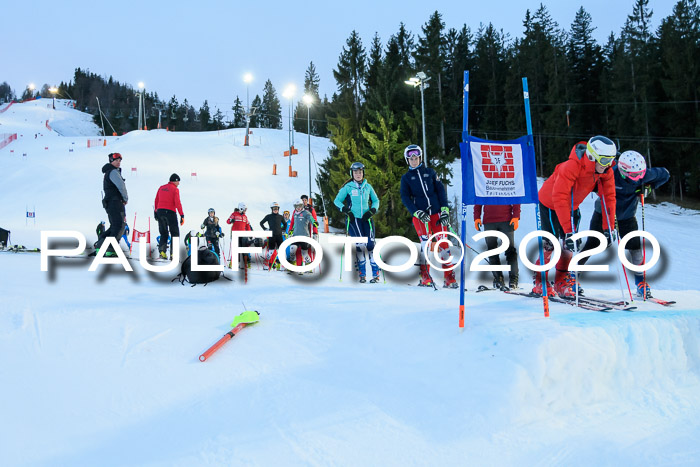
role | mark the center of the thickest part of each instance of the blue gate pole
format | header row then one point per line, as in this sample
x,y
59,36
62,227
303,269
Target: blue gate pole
x,y
531,143
463,236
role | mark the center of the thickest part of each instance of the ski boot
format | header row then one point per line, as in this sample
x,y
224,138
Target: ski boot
x,y
450,281
564,286
110,254
375,272
576,286
513,281
538,289
425,279
162,255
498,281
362,279
643,290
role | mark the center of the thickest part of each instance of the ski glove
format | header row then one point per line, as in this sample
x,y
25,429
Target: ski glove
x,y
514,222
421,216
345,210
368,214
477,224
646,189
569,243
182,219
444,219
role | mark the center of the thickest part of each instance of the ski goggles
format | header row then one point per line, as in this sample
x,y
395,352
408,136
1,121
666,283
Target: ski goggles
x,y
605,161
634,176
413,153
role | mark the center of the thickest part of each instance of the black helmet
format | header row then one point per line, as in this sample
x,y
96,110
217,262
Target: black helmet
x,y
211,210
357,166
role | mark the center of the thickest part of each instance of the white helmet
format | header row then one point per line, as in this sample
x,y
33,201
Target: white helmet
x,y
602,150
275,205
632,165
298,203
412,150
242,207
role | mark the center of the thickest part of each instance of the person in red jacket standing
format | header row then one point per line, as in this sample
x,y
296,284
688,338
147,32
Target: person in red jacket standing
x,y
239,221
503,218
586,170
166,203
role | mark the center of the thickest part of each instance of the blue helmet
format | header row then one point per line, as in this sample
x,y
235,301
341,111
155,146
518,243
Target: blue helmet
x,y
357,166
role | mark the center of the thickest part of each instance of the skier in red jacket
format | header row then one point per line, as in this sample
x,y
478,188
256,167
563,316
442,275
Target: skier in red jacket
x,y
503,218
166,203
239,221
586,170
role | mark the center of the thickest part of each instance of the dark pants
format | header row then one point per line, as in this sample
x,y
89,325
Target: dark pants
x,y
167,221
274,241
116,214
213,242
550,223
624,227
511,252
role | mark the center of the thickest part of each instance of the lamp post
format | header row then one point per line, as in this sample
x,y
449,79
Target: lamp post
x,y
53,90
289,94
308,100
140,94
247,78
421,79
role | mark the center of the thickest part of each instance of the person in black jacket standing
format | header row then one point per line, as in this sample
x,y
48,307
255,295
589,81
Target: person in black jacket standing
x,y
212,231
114,201
277,224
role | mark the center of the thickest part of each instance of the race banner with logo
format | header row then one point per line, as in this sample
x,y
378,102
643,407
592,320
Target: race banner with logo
x,y
498,172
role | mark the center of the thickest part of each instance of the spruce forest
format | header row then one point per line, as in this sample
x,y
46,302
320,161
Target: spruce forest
x,y
640,88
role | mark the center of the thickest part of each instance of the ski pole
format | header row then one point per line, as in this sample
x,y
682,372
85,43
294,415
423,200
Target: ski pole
x,y
241,321
623,269
607,218
342,253
573,229
644,250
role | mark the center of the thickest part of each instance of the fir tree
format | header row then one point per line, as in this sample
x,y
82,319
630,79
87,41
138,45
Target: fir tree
x,y
204,116
239,119
350,76
270,108
256,107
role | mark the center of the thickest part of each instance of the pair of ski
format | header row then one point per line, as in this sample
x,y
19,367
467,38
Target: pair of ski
x,y
586,303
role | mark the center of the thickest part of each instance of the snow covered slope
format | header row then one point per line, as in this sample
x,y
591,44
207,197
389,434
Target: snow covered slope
x,y
101,368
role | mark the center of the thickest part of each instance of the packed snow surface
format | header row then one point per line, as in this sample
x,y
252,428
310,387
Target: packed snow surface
x,y
101,368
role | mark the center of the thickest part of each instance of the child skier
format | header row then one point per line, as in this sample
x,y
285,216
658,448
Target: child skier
x,y
425,197
239,221
302,222
503,218
631,178
359,202
275,223
212,231
587,168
